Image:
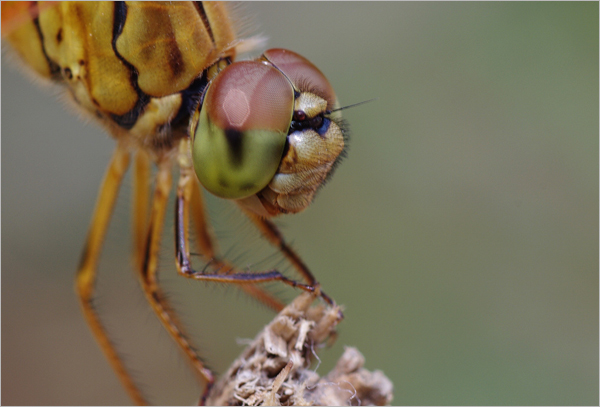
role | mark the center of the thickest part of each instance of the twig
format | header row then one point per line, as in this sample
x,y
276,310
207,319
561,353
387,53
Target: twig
x,y
275,368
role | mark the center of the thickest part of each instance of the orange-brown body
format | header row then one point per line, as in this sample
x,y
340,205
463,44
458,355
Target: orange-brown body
x,y
128,65
142,71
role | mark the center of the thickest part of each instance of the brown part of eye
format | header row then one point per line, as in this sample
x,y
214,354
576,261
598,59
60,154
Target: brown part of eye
x,y
249,95
299,69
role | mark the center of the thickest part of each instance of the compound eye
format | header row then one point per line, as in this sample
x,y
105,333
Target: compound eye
x,y
241,132
304,75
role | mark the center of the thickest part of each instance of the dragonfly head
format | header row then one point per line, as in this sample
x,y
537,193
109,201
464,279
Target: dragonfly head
x,y
267,134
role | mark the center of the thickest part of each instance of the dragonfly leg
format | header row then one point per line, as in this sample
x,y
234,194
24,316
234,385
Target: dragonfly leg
x,y
191,195
184,265
149,277
140,199
271,232
86,273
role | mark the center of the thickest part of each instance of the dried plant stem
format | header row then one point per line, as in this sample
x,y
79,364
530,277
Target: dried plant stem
x,y
274,369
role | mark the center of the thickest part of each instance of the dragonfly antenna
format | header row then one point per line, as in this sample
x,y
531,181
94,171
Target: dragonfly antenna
x,y
354,105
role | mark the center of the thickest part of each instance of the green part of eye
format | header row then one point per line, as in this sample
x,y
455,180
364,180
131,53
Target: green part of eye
x,y
235,164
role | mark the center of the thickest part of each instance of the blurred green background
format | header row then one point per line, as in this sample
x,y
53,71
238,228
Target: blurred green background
x,y
461,233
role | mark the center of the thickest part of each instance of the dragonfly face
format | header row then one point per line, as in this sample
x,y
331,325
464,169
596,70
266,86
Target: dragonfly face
x,y
160,78
265,134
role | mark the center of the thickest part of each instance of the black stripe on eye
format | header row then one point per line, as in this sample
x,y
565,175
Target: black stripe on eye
x,y
235,140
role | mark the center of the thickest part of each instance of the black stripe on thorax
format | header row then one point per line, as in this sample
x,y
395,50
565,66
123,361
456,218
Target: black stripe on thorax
x,y
54,67
202,13
193,96
127,120
190,98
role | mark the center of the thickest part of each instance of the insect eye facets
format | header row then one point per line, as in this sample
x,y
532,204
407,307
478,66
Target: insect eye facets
x,y
240,135
302,73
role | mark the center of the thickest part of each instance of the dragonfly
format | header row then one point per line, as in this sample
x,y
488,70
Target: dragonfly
x,y
163,80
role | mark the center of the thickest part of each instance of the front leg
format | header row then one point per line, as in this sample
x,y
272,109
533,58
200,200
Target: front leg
x,y
225,272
